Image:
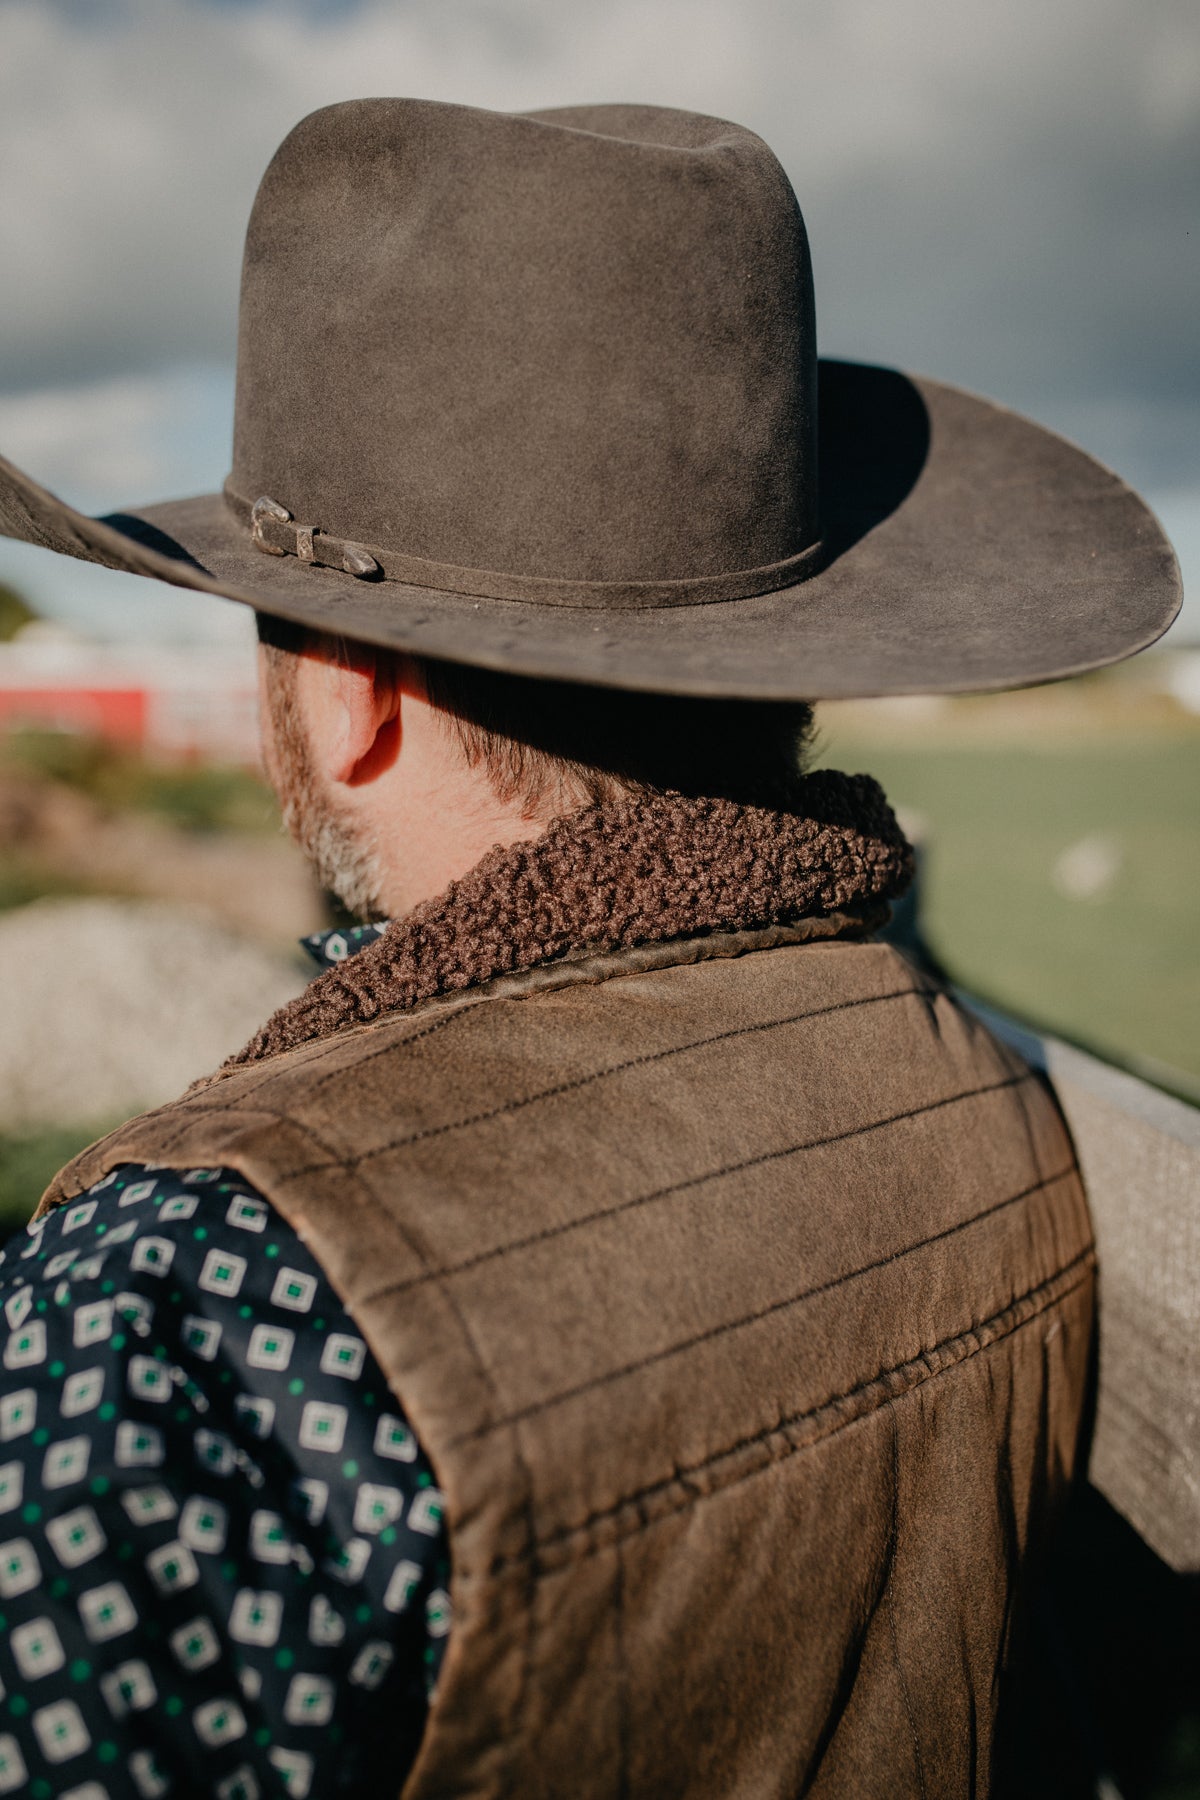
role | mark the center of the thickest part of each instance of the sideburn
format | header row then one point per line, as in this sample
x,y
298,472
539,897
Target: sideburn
x,y
342,864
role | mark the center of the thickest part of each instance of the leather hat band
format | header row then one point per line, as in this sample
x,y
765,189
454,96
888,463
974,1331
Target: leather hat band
x,y
274,531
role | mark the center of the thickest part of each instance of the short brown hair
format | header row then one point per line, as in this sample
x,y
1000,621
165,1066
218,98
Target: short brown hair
x,y
538,739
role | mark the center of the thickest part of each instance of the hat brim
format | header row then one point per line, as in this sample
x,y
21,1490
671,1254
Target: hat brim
x,y
966,548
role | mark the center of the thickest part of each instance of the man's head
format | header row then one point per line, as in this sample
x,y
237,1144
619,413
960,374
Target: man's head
x,y
396,774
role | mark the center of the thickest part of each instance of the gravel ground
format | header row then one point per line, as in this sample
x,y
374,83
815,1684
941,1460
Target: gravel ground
x,y
111,1006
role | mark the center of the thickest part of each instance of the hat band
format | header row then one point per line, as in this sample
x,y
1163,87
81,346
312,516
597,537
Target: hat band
x,y
274,531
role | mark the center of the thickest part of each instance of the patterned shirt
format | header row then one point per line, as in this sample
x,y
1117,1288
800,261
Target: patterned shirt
x,y
328,948
223,1568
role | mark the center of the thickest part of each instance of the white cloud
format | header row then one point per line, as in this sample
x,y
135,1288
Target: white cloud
x,y
990,189
105,444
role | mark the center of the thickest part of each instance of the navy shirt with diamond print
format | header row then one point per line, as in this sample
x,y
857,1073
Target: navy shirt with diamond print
x,y
223,1567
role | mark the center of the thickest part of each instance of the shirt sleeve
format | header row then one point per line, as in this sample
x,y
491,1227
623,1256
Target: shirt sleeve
x,y
223,1564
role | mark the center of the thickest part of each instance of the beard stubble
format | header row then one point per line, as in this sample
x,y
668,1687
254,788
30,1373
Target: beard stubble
x,y
342,863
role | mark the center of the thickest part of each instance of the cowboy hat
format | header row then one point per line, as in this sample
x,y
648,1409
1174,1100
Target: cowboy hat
x,y
540,392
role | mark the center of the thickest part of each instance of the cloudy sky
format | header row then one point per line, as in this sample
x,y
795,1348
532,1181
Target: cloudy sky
x,y
1004,196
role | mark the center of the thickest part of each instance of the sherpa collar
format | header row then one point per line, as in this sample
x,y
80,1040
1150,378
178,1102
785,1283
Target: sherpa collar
x,y
633,871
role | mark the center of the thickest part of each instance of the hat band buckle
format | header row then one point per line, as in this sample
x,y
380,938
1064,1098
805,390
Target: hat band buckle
x,y
274,531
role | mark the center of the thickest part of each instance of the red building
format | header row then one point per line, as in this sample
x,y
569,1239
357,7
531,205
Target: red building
x,y
187,703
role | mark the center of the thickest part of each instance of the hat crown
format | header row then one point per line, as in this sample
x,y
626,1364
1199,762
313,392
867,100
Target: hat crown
x,y
575,345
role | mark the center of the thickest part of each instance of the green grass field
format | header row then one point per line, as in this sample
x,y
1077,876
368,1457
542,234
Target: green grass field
x,y
29,1160
1059,876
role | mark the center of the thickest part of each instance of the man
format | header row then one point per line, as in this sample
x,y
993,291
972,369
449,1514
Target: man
x,y
623,1224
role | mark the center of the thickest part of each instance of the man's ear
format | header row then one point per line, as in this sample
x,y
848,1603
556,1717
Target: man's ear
x,y
362,703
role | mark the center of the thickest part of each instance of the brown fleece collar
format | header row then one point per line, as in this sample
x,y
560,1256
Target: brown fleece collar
x,y
629,872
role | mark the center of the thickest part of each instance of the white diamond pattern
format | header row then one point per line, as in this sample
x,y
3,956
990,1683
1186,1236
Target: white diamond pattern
x,y
216,1516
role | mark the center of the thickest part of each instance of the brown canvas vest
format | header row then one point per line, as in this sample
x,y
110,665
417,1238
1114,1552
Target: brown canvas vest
x,y
740,1290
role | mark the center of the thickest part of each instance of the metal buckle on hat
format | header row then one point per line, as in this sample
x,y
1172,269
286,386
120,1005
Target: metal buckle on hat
x,y
265,508
357,561
307,543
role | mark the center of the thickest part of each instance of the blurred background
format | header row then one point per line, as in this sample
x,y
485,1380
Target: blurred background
x,y
1005,197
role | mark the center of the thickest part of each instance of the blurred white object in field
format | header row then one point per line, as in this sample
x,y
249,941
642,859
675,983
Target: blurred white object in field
x,y
1087,869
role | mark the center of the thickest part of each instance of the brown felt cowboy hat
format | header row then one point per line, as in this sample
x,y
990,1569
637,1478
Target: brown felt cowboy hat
x,y
541,392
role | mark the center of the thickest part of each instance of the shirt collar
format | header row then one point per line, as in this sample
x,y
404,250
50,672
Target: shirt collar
x,y
327,948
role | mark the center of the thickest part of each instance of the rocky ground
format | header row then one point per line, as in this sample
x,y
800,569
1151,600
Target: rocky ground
x,y
111,1006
